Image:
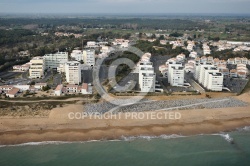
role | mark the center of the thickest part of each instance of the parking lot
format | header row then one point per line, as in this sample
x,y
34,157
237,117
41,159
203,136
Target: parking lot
x,y
236,85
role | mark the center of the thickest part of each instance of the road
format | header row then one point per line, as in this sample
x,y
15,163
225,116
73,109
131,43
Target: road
x,y
193,83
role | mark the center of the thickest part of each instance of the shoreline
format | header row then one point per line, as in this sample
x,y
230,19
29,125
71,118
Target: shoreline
x,y
116,133
58,127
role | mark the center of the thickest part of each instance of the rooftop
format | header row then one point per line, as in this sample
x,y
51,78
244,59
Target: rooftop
x,y
13,91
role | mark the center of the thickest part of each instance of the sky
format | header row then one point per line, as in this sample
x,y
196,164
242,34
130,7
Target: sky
x,y
125,6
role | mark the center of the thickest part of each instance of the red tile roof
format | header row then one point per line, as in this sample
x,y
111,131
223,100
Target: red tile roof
x,y
13,91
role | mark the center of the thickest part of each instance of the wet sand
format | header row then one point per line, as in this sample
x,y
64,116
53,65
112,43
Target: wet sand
x,y
58,126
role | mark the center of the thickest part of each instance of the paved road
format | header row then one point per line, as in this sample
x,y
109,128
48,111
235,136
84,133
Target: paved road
x,y
47,100
193,83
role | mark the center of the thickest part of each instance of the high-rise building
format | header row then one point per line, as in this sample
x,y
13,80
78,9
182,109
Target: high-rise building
x,y
215,81
77,55
175,74
147,77
52,61
73,72
89,57
37,67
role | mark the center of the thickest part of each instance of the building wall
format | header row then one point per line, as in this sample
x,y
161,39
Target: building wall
x,y
146,77
54,60
73,72
215,82
89,57
37,68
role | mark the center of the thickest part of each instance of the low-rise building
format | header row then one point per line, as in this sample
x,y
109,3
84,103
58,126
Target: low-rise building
x,y
20,68
39,86
73,89
193,55
233,73
225,72
12,93
180,57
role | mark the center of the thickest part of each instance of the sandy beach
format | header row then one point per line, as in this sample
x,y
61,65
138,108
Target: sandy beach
x,y
59,127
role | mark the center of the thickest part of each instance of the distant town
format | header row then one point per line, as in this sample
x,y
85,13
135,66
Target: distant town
x,y
194,71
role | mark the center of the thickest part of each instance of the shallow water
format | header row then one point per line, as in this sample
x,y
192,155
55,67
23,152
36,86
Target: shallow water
x,y
214,149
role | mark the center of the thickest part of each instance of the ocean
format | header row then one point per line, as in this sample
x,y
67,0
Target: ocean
x,y
232,148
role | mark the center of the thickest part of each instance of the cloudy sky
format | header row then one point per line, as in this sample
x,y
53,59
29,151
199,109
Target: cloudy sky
x,y
125,6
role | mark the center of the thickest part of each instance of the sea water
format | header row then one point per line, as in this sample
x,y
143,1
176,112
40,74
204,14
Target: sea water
x,y
228,149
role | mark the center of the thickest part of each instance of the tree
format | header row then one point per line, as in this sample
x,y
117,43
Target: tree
x,y
45,88
32,83
161,37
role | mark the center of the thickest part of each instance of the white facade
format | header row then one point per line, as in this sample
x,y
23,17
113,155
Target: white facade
x,y
54,60
91,44
204,70
215,81
176,74
37,67
73,72
89,57
198,69
22,87
147,77
58,90
77,55
193,54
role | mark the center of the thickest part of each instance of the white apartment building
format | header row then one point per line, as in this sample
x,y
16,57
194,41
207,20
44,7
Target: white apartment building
x,y
37,67
73,72
176,74
89,57
215,81
52,61
147,77
209,76
203,70
77,55
205,76
198,69
91,44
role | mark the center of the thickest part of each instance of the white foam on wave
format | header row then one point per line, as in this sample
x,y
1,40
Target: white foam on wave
x,y
132,138
246,128
227,137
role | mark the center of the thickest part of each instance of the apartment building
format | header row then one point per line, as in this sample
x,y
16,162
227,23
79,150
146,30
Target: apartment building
x,y
147,77
77,55
37,67
204,79
198,69
89,57
52,61
176,74
215,81
73,72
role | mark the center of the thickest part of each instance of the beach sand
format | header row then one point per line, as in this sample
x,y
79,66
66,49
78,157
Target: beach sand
x,y
58,126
